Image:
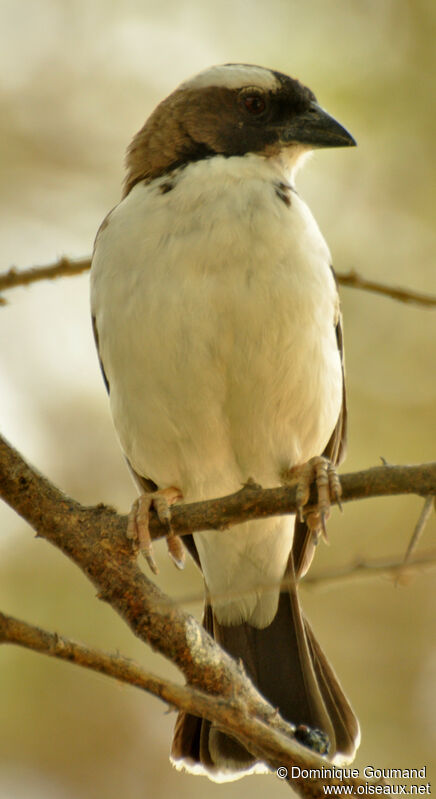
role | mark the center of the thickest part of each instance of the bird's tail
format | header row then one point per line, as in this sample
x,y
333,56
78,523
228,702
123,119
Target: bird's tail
x,y
289,668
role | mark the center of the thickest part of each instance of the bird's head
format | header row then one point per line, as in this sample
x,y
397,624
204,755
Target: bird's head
x,y
232,110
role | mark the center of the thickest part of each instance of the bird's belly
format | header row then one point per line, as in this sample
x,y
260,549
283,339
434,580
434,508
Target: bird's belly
x,y
225,394
220,350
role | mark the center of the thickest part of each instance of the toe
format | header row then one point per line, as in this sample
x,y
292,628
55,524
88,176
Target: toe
x,y
132,530
138,528
334,484
321,471
305,478
162,500
162,508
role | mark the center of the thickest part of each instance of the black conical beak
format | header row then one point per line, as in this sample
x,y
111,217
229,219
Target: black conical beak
x,y
316,128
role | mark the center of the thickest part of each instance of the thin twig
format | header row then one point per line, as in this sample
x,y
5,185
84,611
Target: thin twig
x,y
353,280
367,569
65,267
393,567
420,524
15,631
231,713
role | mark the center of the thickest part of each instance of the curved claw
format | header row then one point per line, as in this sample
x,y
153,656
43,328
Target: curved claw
x,y
138,525
334,484
176,550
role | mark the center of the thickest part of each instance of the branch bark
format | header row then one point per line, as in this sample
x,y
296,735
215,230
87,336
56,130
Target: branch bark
x,y
94,538
23,277
230,712
67,267
35,498
269,741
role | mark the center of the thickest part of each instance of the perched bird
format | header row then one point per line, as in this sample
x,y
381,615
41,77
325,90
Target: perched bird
x,y
217,321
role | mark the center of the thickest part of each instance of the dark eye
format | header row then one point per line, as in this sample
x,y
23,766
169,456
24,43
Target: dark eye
x,y
254,103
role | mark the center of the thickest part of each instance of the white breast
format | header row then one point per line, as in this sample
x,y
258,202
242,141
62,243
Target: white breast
x,y
215,308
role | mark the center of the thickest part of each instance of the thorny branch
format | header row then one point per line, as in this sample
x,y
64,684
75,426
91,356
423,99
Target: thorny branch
x,y
229,711
94,538
269,738
66,266
27,492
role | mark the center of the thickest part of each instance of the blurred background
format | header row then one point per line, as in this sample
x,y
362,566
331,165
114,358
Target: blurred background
x,y
77,80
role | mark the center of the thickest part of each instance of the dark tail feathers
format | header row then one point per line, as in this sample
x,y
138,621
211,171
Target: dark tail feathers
x,y
289,668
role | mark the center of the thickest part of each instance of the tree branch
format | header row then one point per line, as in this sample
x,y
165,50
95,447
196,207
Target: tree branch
x,y
396,568
67,267
63,267
15,631
191,700
424,516
353,280
35,498
272,743
94,538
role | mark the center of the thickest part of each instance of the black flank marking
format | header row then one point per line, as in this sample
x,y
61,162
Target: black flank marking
x,y
164,188
283,192
334,276
95,331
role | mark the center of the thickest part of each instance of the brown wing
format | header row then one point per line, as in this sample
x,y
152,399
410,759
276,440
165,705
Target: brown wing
x,y
303,548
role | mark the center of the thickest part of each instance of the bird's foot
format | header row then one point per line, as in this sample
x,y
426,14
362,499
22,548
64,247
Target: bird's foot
x,y
138,524
321,471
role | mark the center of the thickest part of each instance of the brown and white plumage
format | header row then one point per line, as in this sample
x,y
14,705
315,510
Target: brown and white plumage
x,y
218,325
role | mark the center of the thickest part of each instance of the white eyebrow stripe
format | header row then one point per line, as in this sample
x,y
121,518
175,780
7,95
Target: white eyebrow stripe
x,y
233,76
